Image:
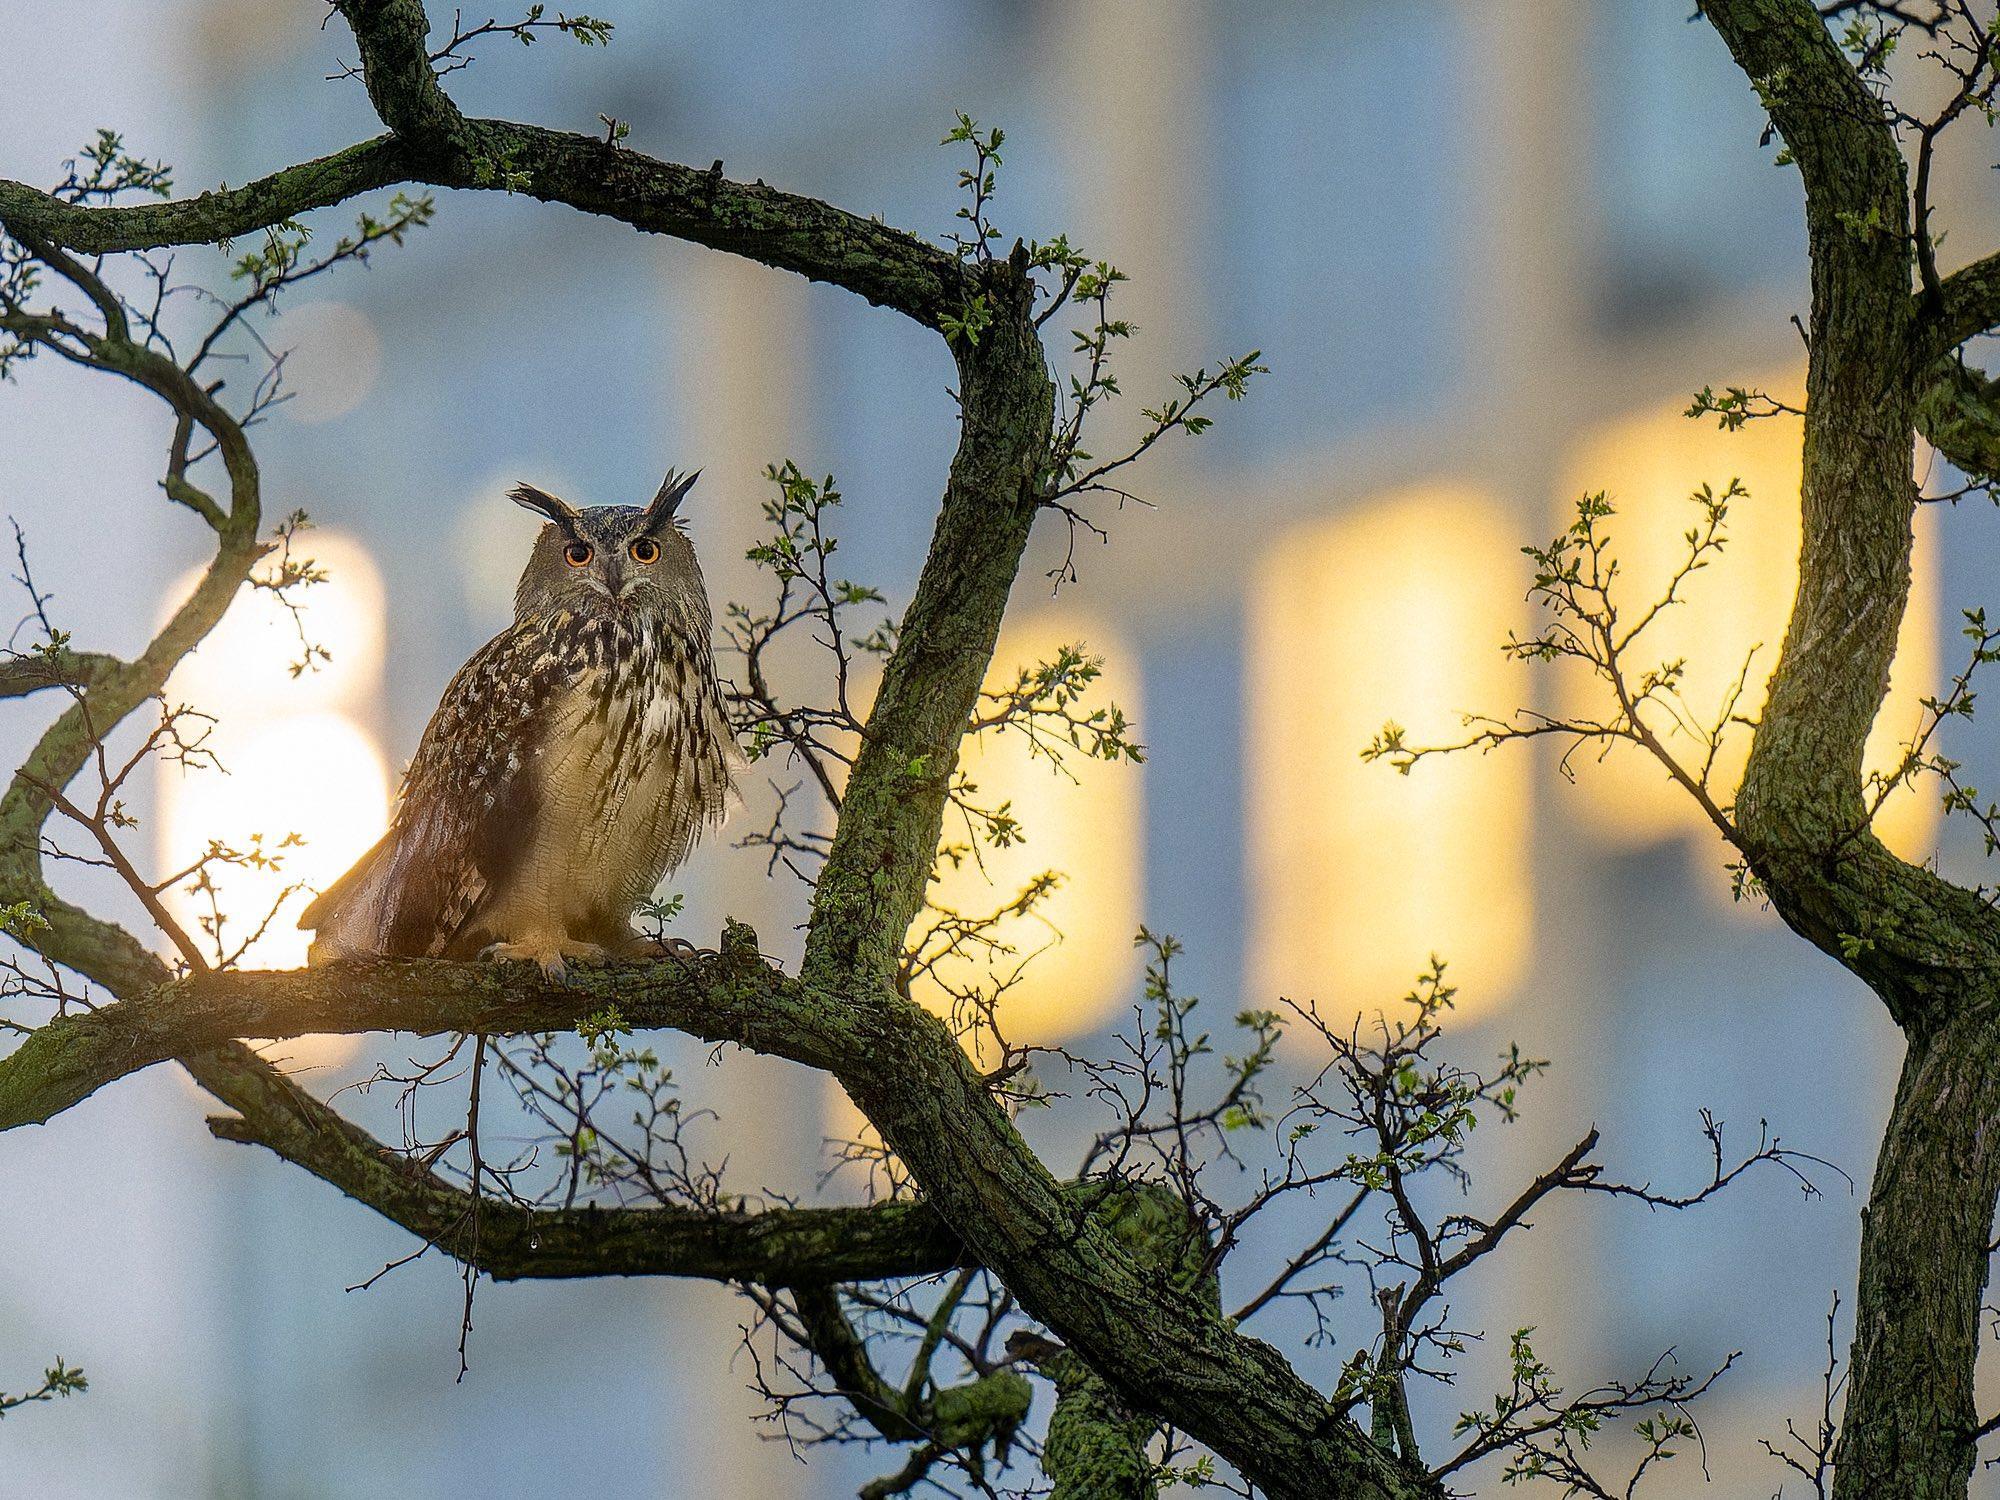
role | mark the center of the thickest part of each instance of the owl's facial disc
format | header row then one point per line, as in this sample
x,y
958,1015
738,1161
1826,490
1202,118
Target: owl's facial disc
x,y
627,561
619,580
614,571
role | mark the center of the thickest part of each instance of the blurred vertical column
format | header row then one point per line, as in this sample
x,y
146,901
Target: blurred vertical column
x,y
1527,292
732,409
1526,283
1125,97
1126,94
1392,609
735,409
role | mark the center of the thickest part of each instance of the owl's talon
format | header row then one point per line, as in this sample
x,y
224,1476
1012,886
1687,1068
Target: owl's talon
x,y
551,958
546,959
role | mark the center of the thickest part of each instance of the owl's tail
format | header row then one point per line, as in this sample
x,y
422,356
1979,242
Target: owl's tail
x,y
343,918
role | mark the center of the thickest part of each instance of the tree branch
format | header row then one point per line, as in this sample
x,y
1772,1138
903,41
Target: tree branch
x,y
1969,304
773,1247
886,266
1801,812
1929,949
1958,412
394,37
67,669
1805,766
222,214
1162,1349
730,997
1096,1449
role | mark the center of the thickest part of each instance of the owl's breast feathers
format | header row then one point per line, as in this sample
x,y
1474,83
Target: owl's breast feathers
x,y
573,762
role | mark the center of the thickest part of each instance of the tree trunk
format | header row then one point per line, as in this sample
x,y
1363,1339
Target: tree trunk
x,y
1924,1251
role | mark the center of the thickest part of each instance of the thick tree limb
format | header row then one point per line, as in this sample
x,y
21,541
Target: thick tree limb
x,y
773,1247
1929,949
1801,814
1958,412
817,241
1171,1344
892,811
35,674
732,997
225,213
394,38
433,144
1858,496
1096,1449
1969,303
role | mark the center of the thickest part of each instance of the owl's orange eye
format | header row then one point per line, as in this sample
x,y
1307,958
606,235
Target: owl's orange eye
x,y
645,550
578,554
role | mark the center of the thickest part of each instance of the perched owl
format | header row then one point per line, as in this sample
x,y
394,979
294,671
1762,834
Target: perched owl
x,y
574,761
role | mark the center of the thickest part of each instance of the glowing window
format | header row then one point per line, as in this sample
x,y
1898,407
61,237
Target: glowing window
x,y
1357,875
1649,465
1083,822
297,758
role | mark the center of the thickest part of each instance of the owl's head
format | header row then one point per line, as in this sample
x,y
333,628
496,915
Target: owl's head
x,y
610,559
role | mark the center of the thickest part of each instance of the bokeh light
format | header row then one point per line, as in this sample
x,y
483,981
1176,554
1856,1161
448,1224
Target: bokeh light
x,y
1082,820
1649,465
302,777
1357,875
333,356
491,540
246,664
315,776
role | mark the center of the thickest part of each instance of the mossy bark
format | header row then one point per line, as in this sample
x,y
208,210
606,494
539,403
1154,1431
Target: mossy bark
x,y
1095,1448
1924,1252
1930,950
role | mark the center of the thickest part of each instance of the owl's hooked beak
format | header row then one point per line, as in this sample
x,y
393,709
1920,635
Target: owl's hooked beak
x,y
614,580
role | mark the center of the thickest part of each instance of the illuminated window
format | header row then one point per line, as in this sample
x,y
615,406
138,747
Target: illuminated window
x,y
1081,821
314,775
1357,875
296,757
1649,465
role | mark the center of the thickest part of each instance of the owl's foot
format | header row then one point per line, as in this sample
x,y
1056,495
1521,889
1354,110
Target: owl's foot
x,y
549,956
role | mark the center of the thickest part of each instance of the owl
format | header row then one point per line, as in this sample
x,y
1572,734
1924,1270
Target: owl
x,y
574,762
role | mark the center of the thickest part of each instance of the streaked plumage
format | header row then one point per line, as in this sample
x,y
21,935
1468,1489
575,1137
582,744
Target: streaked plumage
x,y
572,764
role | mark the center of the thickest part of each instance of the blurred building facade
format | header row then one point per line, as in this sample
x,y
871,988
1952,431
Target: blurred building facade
x,y
1488,248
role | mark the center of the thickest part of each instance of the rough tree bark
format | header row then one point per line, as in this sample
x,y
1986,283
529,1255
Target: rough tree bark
x,y
1931,950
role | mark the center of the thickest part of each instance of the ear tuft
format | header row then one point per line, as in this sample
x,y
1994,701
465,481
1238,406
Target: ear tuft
x,y
673,489
543,504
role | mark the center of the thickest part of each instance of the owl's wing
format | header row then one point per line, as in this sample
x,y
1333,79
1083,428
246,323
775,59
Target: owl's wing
x,y
467,807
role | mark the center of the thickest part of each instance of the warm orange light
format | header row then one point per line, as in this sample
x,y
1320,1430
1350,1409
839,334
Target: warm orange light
x,y
245,665
315,775
1649,465
1358,875
1082,821
301,777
